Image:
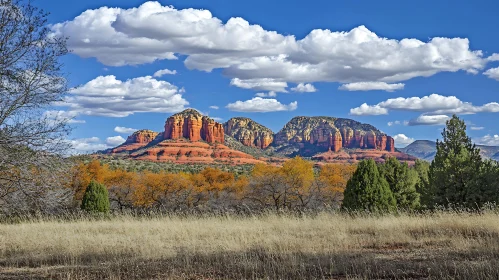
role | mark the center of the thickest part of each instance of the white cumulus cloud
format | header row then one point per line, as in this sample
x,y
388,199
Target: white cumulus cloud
x,y
488,140
366,110
429,120
65,116
87,145
261,105
124,130
260,84
163,72
110,97
115,140
246,51
301,87
394,123
401,140
214,107
492,73
365,86
433,104
269,94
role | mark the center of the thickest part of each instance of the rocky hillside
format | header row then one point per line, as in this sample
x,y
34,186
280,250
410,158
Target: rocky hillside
x,y
426,149
249,132
310,135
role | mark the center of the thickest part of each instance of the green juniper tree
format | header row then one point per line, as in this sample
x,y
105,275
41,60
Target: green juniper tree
x,y
96,198
455,172
426,193
368,190
402,181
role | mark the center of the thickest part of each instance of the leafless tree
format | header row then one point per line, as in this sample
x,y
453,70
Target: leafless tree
x,y
31,81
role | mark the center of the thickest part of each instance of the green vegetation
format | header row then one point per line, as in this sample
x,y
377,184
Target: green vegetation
x,y
402,181
96,198
458,176
116,162
368,190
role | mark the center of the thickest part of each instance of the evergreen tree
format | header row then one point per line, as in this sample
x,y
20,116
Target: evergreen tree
x,y
488,182
96,198
426,193
368,190
402,181
455,171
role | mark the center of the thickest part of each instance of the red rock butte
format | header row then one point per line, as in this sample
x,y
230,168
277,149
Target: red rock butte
x,y
190,124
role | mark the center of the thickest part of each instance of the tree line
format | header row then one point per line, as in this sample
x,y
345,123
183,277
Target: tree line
x,y
457,178
294,185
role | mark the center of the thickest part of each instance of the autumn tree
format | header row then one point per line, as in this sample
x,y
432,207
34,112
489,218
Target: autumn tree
x,y
298,178
368,190
267,186
163,190
455,171
402,181
31,80
121,186
332,181
83,173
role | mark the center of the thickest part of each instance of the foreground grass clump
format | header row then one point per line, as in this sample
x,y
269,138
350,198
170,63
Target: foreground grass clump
x,y
330,246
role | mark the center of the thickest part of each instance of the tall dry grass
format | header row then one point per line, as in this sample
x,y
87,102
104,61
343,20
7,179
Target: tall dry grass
x,y
324,246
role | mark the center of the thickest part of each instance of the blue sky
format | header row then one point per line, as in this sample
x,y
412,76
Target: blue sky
x,y
413,64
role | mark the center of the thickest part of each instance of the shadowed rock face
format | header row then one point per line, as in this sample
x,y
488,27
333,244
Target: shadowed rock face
x,y
190,124
249,132
334,134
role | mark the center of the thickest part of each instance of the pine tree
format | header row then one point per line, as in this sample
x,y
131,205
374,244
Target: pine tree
x,y
402,181
423,187
368,190
489,182
96,198
455,171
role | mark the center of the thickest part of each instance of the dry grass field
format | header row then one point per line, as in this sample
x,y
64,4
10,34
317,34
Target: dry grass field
x,y
323,246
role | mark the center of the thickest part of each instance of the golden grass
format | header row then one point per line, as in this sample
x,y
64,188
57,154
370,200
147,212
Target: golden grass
x,y
324,246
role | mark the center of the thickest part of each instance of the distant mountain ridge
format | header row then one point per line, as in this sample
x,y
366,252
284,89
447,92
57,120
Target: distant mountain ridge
x,y
426,149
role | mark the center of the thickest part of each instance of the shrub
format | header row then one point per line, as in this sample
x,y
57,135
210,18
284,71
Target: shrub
x,y
96,198
368,190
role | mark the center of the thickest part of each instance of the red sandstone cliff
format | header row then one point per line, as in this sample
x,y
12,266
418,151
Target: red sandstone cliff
x,y
190,124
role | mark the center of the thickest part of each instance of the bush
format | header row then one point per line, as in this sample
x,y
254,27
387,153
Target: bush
x,y
368,190
96,198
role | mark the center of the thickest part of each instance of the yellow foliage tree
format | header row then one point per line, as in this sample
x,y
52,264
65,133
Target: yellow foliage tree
x,y
332,181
